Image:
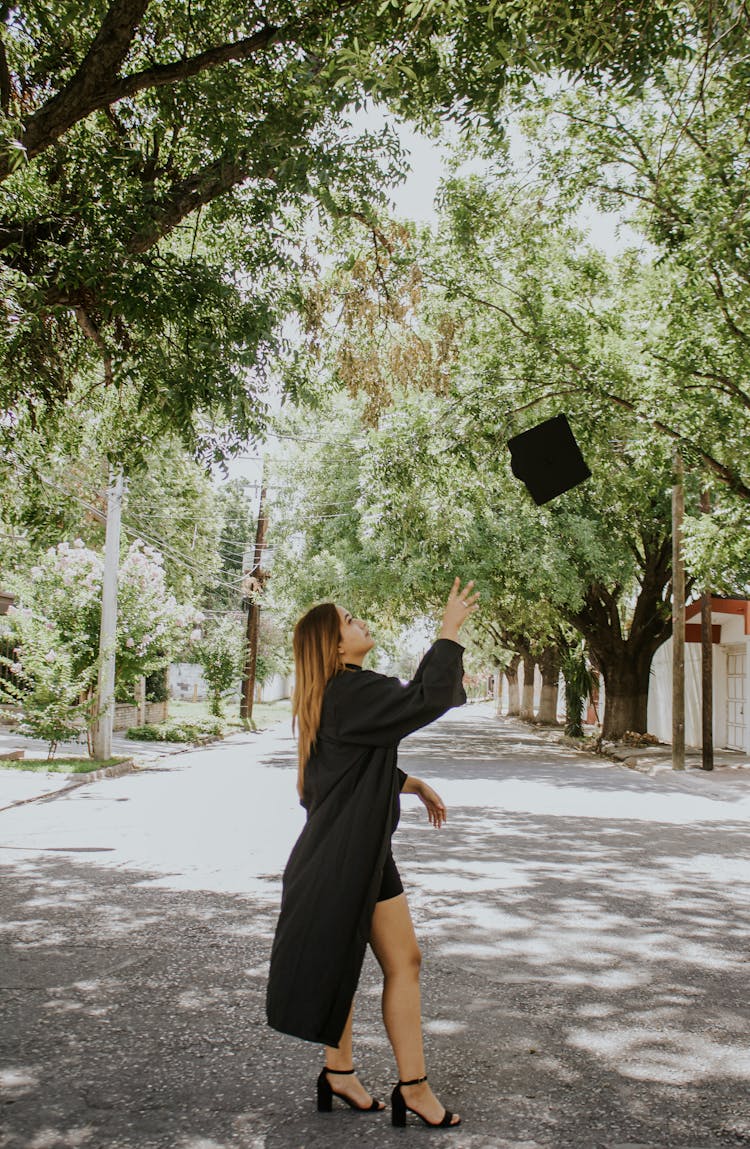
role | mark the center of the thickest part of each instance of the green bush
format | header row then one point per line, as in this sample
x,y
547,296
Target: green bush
x,y
175,731
157,686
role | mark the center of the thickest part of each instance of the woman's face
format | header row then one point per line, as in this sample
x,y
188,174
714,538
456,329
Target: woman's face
x,y
356,639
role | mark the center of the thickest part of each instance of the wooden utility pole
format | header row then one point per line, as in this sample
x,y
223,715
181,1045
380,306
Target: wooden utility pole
x,y
102,731
254,584
678,617
707,666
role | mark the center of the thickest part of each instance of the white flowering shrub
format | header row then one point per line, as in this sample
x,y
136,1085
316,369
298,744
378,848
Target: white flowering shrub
x,y
43,683
56,627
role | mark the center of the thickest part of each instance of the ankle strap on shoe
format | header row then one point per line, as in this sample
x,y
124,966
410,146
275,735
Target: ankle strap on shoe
x,y
342,1072
416,1081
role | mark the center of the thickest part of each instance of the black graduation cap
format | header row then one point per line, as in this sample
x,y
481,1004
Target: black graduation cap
x,y
547,459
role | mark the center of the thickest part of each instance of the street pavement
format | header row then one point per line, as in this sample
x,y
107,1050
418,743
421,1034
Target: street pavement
x,y
584,930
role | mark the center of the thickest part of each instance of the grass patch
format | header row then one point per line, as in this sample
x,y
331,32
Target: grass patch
x,y
265,714
61,765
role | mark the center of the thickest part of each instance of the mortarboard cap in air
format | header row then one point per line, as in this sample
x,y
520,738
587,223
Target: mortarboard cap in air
x,y
547,459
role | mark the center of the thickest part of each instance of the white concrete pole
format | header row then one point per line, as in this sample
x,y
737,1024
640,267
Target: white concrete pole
x,y
102,733
678,617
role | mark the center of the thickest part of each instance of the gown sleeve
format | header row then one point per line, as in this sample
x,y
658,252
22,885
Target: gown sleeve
x,y
373,710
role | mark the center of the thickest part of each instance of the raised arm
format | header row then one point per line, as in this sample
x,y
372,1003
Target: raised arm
x,y
370,709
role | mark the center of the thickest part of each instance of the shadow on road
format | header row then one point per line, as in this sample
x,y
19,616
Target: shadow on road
x,y
585,982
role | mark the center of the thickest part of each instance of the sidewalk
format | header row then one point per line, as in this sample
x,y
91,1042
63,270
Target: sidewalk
x,y
17,785
733,764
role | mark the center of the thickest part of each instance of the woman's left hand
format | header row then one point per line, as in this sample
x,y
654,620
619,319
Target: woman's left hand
x,y
436,811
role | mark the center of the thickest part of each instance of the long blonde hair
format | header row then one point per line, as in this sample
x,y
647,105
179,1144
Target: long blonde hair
x,y
317,636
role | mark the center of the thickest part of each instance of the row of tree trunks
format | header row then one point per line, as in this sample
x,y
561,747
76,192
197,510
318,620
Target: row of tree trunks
x,y
521,701
514,696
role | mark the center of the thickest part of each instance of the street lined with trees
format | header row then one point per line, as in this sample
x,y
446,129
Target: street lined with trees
x,y
190,227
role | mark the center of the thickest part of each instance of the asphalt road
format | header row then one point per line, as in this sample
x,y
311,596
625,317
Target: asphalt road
x,y
584,928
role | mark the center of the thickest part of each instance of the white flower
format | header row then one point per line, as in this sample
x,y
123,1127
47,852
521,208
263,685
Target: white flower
x,y
16,667
196,635
50,656
36,572
79,543
129,642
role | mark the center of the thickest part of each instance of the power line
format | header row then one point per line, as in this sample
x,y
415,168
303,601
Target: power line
x,y
176,556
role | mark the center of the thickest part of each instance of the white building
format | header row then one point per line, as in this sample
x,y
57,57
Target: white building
x,y
730,626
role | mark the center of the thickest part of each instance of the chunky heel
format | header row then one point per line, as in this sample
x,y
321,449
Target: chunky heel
x,y
325,1093
398,1108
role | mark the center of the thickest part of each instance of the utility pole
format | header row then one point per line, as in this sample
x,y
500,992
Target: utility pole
x,y
254,585
707,666
105,697
678,617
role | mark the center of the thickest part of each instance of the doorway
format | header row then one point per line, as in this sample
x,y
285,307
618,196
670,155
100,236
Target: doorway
x,y
736,698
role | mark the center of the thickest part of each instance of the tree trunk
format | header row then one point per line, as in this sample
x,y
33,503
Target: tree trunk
x,y
498,680
624,658
527,698
626,683
511,677
549,665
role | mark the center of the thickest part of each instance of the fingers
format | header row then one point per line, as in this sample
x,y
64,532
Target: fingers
x,y
437,815
464,599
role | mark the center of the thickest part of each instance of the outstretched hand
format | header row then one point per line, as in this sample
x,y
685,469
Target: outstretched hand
x,y
461,603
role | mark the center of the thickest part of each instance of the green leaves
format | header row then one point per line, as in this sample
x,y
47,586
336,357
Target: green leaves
x,y
110,216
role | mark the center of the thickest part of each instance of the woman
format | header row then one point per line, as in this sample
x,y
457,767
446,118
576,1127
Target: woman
x,y
341,887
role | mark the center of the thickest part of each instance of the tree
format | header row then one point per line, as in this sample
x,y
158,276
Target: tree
x,y
667,161
53,484
220,653
159,163
540,321
60,602
42,683
235,544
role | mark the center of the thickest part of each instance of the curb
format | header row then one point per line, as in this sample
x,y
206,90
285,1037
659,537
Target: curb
x,y
129,766
632,758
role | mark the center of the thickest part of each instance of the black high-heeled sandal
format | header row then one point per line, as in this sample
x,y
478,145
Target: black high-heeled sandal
x,y
399,1109
326,1094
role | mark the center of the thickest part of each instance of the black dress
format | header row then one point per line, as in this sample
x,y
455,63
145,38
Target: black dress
x,y
336,869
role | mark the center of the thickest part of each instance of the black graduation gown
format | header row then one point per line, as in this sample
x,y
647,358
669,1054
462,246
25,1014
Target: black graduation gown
x,y
333,875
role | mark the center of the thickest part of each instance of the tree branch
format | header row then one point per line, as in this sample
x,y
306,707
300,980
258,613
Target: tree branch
x,y
91,331
713,465
96,84
6,83
193,192
108,49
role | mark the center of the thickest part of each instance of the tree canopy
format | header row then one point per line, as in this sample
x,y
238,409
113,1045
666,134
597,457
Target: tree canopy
x,y
159,161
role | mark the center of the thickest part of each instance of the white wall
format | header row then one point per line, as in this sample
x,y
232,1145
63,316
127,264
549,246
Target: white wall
x,y
186,682
660,693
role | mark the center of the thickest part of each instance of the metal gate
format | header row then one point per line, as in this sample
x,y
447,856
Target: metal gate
x,y
736,698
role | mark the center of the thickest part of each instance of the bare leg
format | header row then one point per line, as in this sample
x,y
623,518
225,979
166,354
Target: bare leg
x,y
395,946
342,1058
